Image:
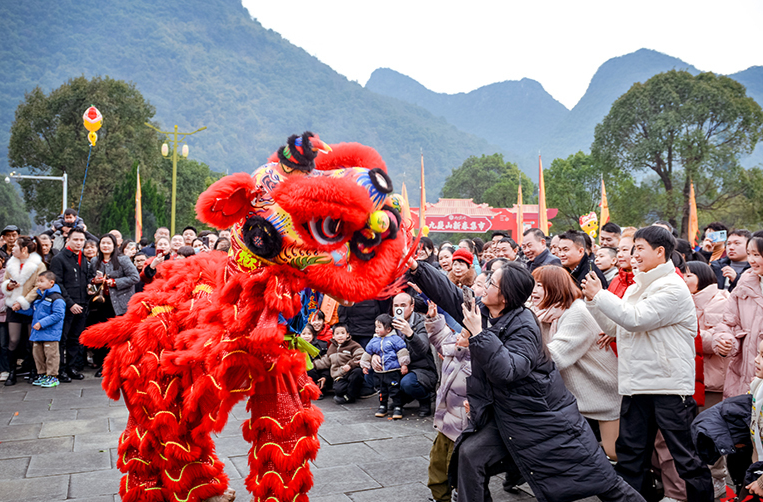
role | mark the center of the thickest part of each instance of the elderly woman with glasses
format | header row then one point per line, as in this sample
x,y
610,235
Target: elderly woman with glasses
x,y
522,419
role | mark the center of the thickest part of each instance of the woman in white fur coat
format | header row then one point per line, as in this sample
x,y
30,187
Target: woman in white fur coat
x,y
570,333
20,289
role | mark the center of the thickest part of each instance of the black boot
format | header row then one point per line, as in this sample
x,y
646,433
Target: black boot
x,y
425,407
12,366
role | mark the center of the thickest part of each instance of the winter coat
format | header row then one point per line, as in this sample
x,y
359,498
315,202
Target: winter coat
x,y
392,350
25,276
545,258
450,416
337,356
589,372
49,310
655,324
743,325
420,351
126,277
326,334
718,266
711,303
621,282
72,276
360,318
585,266
717,430
467,280
515,383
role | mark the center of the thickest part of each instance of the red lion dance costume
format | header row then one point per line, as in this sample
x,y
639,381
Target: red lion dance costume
x,y
210,330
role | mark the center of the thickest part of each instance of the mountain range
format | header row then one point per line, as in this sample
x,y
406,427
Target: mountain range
x,y
524,119
209,63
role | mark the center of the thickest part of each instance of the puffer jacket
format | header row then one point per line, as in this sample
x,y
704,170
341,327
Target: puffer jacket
x,y
337,356
26,277
655,324
393,352
718,430
450,416
711,303
49,310
743,325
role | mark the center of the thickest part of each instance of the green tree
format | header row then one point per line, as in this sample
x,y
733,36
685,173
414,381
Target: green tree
x,y
119,212
488,179
573,186
48,137
683,128
12,210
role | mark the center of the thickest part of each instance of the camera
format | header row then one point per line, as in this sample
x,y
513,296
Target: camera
x,y
399,313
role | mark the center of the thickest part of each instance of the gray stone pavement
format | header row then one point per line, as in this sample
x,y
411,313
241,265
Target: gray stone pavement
x,y
60,444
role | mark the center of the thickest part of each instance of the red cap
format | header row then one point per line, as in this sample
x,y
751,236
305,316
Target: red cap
x,y
464,255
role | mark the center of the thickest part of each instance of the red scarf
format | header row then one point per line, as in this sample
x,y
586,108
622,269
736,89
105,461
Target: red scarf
x,y
79,255
620,283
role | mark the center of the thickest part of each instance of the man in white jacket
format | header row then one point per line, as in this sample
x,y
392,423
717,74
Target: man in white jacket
x,y
655,324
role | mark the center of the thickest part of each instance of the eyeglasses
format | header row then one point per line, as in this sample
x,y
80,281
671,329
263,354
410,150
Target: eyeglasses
x,y
491,283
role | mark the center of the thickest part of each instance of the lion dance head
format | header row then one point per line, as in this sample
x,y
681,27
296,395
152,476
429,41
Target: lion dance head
x,y
315,216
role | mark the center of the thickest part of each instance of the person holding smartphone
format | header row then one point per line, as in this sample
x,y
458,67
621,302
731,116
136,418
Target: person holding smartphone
x,y
714,244
151,268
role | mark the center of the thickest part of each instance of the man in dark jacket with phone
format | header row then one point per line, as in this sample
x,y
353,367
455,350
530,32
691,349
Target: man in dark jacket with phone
x,y
73,274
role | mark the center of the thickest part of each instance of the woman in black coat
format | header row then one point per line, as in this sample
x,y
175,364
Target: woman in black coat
x,y
522,418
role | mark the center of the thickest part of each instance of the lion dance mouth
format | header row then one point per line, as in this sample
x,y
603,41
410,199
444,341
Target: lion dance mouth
x,y
210,331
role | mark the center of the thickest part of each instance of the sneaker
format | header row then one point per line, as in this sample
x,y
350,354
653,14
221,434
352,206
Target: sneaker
x,y
4,376
369,393
50,382
381,412
668,499
40,380
397,413
340,400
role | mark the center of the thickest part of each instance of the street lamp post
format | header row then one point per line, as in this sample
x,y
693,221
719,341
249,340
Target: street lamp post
x,y
175,138
63,178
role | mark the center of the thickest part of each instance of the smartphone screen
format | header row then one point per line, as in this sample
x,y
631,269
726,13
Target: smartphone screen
x,y
719,236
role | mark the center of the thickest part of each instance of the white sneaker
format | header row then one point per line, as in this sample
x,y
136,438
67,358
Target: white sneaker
x,y
668,499
719,487
4,376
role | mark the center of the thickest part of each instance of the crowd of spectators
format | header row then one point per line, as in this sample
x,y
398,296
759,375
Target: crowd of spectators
x,y
576,367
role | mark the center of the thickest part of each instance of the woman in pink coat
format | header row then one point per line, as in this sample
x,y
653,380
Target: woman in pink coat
x,y
738,336
711,304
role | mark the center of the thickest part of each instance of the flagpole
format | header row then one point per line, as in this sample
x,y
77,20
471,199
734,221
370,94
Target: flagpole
x,y
520,216
138,210
423,203
542,214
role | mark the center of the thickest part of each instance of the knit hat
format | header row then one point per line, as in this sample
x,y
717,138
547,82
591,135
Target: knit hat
x,y
464,255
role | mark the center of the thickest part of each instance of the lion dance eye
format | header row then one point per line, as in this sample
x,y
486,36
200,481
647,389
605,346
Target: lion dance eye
x,y
326,230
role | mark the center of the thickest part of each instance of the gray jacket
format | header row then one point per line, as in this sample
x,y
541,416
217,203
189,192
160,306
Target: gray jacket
x,y
126,277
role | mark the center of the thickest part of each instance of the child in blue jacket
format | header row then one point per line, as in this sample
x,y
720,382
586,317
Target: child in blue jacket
x,y
47,313
394,364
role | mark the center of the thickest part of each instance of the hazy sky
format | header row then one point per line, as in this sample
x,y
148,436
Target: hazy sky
x,y
459,46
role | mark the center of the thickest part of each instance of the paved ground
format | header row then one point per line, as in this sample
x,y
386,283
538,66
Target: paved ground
x,y
60,444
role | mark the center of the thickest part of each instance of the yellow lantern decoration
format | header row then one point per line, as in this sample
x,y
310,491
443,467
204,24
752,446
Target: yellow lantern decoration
x,y
425,231
93,121
378,222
